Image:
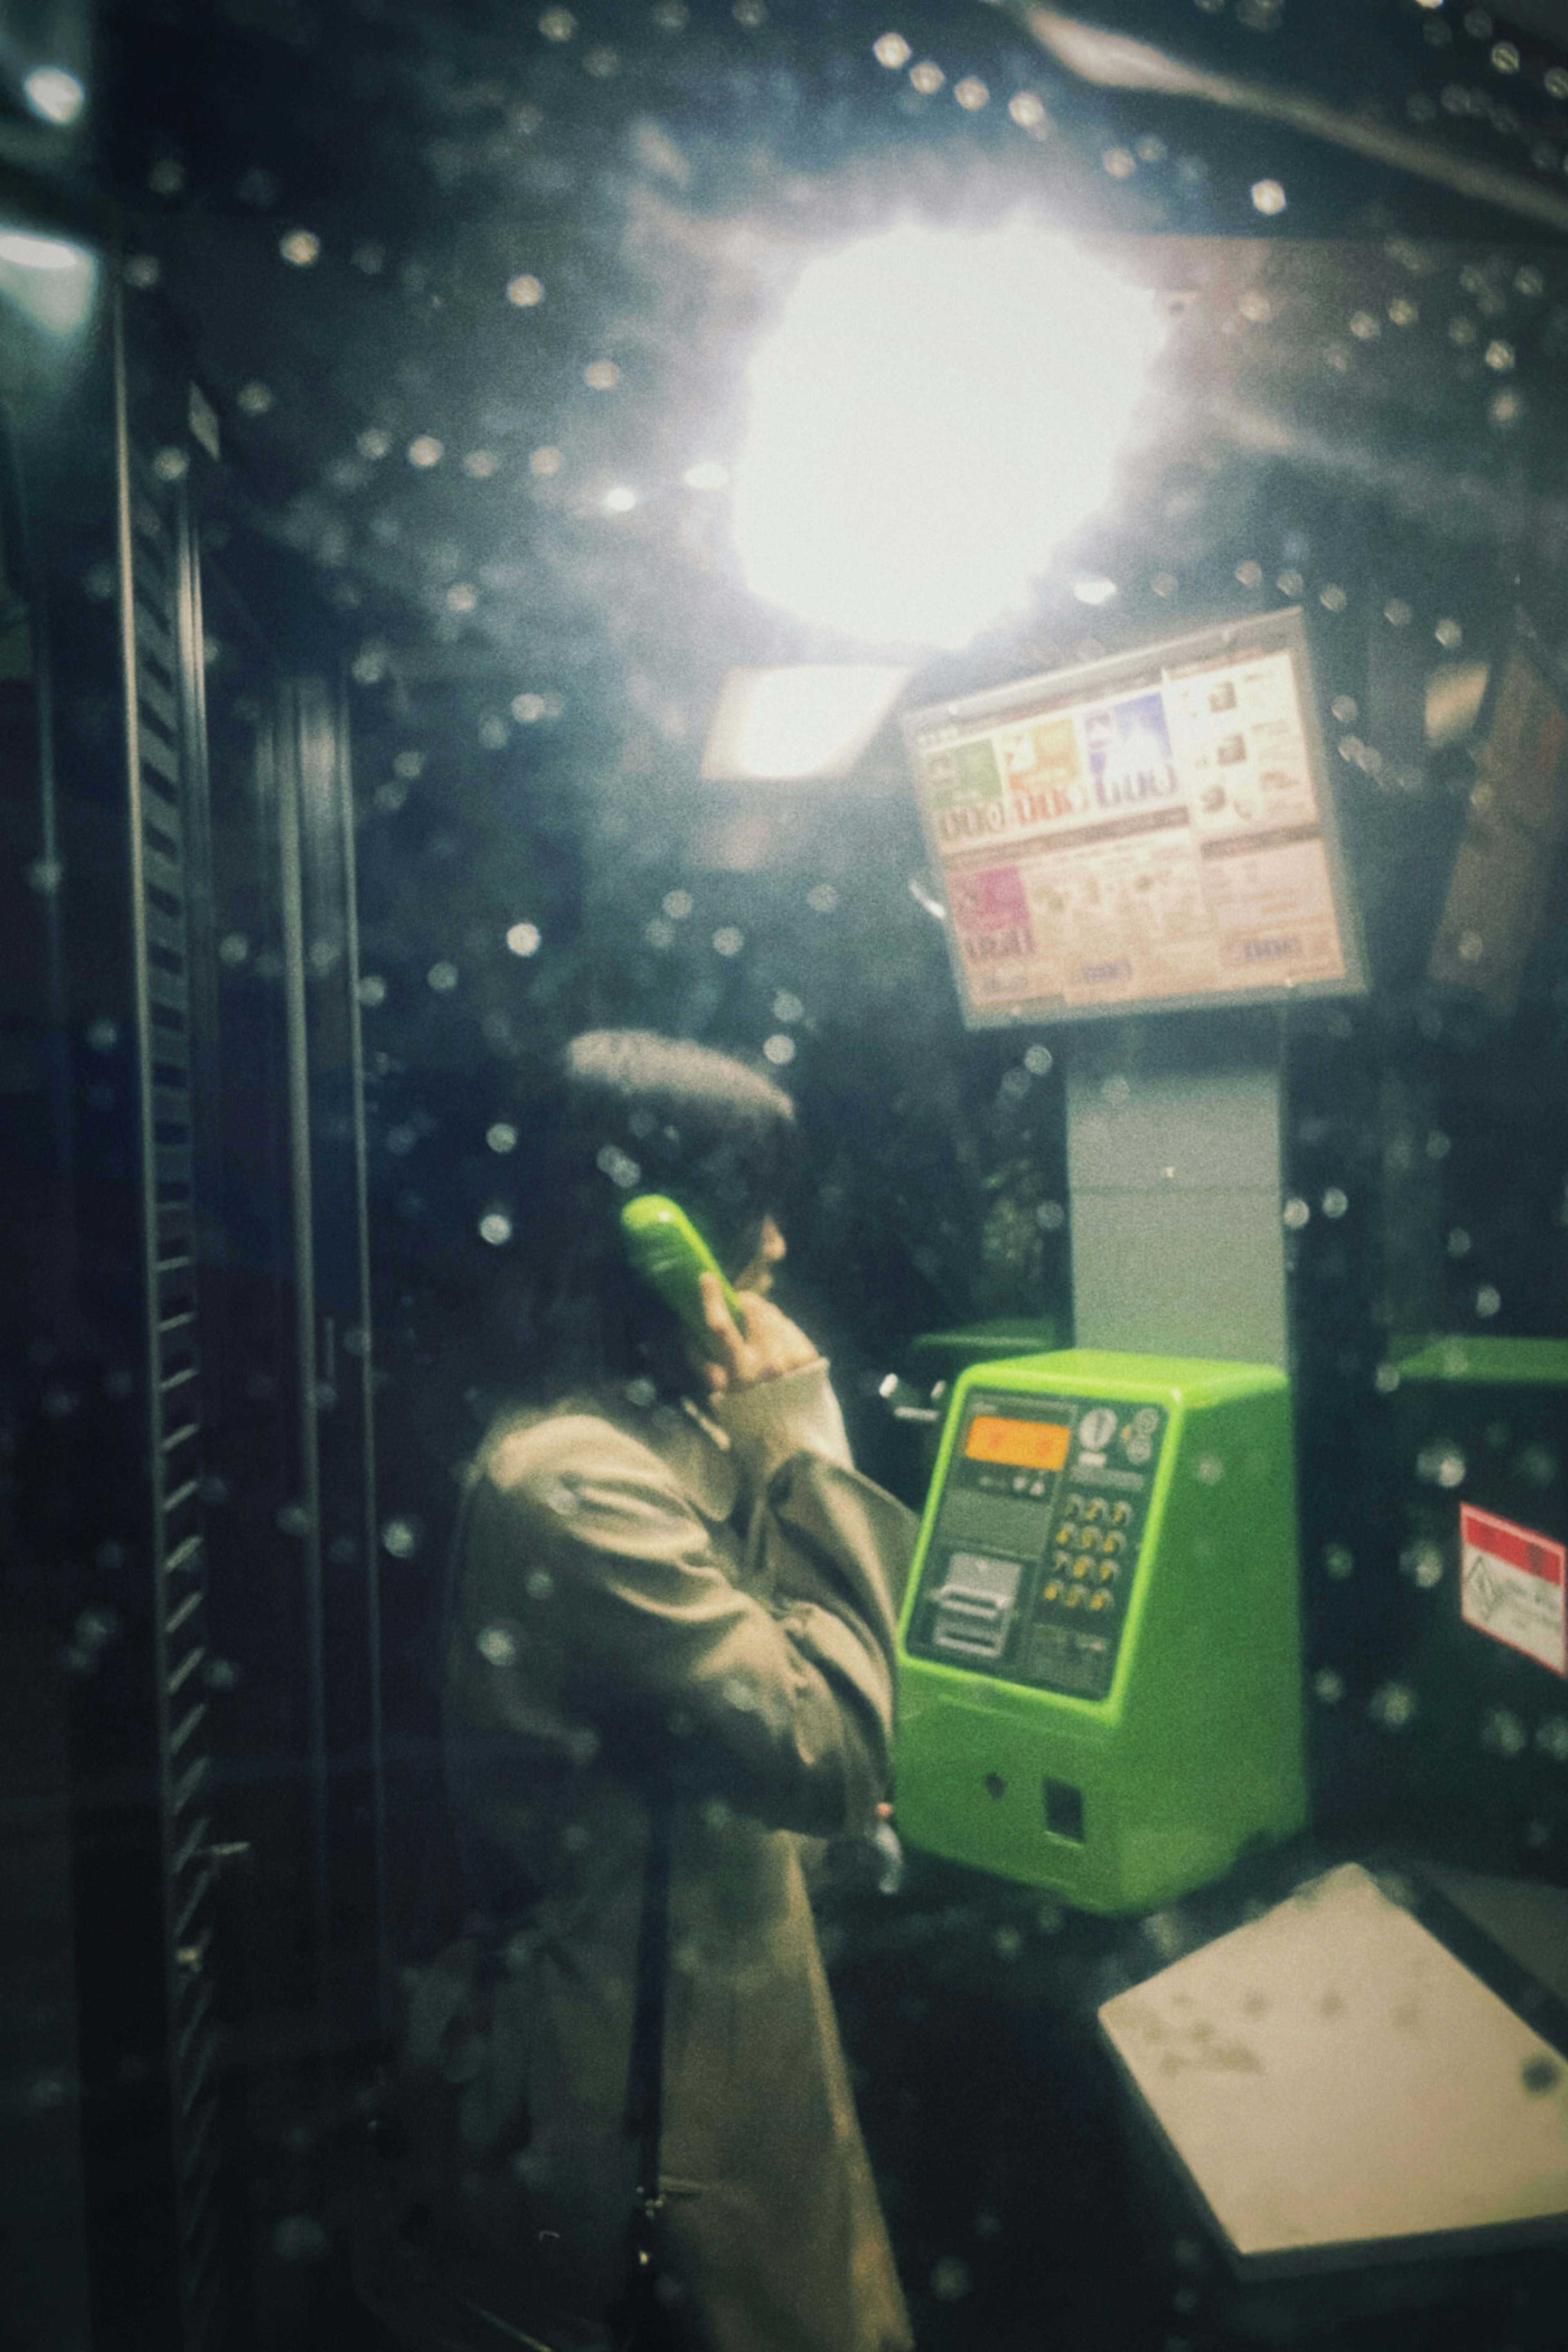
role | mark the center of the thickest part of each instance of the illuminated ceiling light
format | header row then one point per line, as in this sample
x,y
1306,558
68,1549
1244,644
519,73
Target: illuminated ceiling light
x,y
932,416
50,279
54,95
778,726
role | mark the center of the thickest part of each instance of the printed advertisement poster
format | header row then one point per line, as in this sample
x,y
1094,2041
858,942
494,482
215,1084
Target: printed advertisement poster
x,y
1512,1586
1162,843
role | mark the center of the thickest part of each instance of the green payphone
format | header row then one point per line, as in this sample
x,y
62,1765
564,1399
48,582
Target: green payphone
x,y
1099,1660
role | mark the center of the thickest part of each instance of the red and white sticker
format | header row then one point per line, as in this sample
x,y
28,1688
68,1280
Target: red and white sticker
x,y
1513,1584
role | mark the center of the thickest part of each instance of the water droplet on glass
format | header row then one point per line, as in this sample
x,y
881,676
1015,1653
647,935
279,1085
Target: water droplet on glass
x,y
400,1537
496,1646
927,76
1027,110
892,50
425,451
728,940
495,1227
372,990
524,939
298,2238
1393,1706
1296,1214
1441,1464
601,375
1423,1564
972,94
301,248
1268,197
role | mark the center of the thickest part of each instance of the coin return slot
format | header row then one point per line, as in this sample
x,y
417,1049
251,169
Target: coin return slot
x,y
1064,1811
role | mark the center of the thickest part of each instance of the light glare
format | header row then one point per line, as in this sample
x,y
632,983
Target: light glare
x,y
933,414
51,281
785,725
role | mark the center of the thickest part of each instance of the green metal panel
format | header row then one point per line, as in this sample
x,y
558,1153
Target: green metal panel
x,y
983,1343
1122,1799
1483,1360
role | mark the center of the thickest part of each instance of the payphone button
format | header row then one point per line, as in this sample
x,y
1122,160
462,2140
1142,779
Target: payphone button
x,y
1094,1508
1120,1514
1053,1590
1073,1596
1103,1599
1083,1566
1065,1535
1111,1544
1109,1572
1061,1565
1073,1506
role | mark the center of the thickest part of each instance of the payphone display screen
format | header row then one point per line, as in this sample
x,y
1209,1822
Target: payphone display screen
x,y
1036,1540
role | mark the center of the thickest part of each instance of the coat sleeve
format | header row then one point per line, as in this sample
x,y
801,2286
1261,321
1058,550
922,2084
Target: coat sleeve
x,y
583,1540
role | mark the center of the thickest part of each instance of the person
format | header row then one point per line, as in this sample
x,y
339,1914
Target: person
x,y
669,1575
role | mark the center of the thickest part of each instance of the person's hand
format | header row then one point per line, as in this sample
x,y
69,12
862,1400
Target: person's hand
x,y
769,1346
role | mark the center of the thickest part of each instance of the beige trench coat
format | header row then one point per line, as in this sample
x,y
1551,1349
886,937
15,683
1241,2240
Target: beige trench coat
x,y
720,1588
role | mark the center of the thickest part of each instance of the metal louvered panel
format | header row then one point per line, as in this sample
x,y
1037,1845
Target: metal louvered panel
x,y
159,637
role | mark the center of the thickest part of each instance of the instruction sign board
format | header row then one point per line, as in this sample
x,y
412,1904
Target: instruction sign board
x,y
1512,1586
1149,831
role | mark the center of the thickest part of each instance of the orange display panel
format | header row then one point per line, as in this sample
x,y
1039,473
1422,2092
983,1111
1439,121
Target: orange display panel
x,y
1021,1444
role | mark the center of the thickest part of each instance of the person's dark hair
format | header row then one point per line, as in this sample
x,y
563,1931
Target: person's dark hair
x,y
640,1113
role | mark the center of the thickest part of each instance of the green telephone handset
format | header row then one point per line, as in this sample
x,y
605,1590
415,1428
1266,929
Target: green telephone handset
x,y
668,1253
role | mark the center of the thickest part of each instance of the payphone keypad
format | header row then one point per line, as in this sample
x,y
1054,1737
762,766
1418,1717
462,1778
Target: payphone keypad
x,y
1036,1539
